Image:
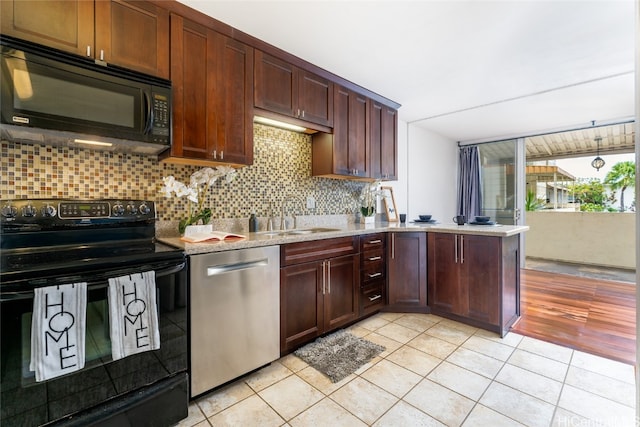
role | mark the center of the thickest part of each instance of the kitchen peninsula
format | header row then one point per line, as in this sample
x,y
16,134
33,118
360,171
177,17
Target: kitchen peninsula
x,y
469,274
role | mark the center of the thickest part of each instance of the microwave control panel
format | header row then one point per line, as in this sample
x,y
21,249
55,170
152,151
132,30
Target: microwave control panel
x,y
161,119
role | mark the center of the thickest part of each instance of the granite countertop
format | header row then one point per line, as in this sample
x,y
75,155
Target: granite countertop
x,y
340,229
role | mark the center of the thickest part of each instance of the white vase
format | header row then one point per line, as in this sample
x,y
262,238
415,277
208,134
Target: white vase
x,y
190,230
367,219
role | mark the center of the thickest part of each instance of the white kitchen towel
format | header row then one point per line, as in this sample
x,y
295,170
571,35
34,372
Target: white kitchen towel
x,y
133,315
58,325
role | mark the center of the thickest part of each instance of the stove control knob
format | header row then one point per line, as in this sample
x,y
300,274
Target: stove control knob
x,y
29,211
49,211
118,210
131,209
144,209
9,211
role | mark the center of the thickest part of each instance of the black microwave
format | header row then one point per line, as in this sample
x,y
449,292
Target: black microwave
x,y
52,90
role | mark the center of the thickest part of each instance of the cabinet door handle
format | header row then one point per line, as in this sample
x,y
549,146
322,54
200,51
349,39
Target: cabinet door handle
x,y
222,155
101,54
455,249
461,249
393,245
303,114
375,258
323,276
375,297
328,277
215,154
89,51
374,242
371,276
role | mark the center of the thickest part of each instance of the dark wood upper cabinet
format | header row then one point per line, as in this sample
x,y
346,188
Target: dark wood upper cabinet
x,y
315,98
285,89
212,79
275,87
193,76
130,34
234,93
345,152
62,24
383,146
221,77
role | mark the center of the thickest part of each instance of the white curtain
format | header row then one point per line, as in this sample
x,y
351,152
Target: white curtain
x,y
469,183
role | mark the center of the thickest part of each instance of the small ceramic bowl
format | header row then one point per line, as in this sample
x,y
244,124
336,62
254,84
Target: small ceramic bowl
x,y
483,218
424,217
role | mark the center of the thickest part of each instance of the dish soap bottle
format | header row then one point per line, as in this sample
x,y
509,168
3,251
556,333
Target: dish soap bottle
x,y
253,223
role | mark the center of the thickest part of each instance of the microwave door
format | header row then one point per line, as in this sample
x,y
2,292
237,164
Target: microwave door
x,y
21,81
42,93
63,100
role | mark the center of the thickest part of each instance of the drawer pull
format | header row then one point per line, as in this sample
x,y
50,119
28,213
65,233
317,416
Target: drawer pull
x,y
374,242
375,297
375,258
371,276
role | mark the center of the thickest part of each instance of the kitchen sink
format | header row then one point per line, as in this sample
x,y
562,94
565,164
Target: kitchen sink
x,y
311,230
297,231
271,233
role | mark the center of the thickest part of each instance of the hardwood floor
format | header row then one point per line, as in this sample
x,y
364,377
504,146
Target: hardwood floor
x,y
591,315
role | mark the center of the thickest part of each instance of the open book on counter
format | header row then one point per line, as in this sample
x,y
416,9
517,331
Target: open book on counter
x,y
205,233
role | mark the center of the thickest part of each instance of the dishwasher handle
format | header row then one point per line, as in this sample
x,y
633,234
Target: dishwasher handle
x,y
227,268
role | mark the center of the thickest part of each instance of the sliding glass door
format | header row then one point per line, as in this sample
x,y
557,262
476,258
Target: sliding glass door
x,y
502,177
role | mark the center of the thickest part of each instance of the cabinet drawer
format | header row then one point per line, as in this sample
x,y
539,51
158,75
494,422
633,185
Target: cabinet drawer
x,y
372,257
372,241
372,273
373,297
316,250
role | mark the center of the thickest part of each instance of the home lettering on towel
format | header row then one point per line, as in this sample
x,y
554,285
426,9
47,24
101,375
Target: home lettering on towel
x,y
58,330
133,314
57,334
134,320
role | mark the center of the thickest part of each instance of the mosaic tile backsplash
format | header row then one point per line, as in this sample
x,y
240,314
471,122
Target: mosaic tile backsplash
x,y
282,167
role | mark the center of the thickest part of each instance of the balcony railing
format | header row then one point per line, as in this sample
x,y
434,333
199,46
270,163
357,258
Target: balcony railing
x,y
591,238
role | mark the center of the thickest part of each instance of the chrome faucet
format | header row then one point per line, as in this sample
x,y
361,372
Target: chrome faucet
x,y
283,222
270,219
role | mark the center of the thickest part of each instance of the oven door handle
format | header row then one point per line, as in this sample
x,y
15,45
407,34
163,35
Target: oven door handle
x,y
100,283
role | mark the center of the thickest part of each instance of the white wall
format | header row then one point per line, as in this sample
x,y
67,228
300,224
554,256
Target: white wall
x,y
432,164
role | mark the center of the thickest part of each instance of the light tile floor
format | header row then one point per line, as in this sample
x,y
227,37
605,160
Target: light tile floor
x,y
434,372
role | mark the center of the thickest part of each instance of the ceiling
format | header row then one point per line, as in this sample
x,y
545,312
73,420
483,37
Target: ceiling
x,y
617,138
468,70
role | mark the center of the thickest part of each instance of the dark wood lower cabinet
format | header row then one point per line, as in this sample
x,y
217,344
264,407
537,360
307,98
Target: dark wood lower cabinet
x,y
373,278
318,292
341,291
301,305
475,279
331,283
407,272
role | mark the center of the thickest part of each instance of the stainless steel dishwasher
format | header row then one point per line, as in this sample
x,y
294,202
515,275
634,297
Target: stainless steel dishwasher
x,y
235,314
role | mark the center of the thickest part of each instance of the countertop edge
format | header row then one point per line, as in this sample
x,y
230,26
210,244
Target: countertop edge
x,y
254,240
